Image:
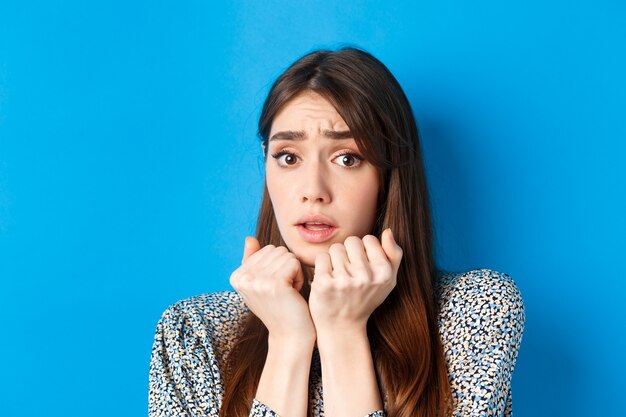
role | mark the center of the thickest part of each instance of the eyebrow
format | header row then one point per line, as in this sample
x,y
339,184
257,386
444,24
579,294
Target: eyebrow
x,y
300,135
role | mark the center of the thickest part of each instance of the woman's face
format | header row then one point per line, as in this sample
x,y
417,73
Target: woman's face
x,y
321,189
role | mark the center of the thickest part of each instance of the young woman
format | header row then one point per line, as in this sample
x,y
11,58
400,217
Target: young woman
x,y
339,309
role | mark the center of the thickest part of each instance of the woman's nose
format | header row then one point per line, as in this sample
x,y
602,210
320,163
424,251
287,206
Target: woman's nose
x,y
315,184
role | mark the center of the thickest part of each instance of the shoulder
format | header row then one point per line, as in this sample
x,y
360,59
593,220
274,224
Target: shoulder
x,y
481,321
487,286
480,300
218,304
217,312
206,325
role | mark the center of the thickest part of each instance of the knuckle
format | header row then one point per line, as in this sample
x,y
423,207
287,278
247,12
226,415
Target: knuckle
x,y
359,284
340,275
281,249
352,240
260,286
380,265
336,246
341,285
245,276
387,279
388,270
323,281
292,262
319,276
361,271
233,280
269,248
268,287
322,284
370,239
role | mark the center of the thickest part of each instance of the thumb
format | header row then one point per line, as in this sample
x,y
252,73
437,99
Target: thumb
x,y
391,248
250,246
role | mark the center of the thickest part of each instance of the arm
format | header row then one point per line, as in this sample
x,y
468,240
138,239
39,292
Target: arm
x,y
185,379
284,381
269,281
181,383
350,282
348,376
481,325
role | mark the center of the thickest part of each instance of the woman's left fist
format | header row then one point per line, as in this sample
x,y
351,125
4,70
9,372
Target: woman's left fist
x,y
352,279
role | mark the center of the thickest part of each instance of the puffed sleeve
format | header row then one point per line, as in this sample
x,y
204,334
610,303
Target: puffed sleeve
x,y
185,379
481,324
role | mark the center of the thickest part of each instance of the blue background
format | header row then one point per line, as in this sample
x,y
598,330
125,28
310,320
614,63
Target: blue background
x,y
130,174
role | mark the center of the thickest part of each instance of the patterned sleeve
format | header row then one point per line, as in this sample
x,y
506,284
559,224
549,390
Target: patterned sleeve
x,y
185,380
261,410
481,323
182,370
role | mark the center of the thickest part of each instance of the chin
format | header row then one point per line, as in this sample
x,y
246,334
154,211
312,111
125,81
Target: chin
x,y
306,256
306,260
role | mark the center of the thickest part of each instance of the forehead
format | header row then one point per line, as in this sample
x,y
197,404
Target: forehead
x,y
308,111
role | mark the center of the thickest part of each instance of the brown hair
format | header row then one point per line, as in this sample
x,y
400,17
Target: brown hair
x,y
403,331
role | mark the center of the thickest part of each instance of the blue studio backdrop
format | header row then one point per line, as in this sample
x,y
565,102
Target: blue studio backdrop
x,y
130,173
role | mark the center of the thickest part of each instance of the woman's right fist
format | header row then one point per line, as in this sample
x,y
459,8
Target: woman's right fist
x,y
269,281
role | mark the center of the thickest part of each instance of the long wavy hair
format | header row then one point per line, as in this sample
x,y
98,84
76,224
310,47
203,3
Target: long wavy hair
x,y
403,330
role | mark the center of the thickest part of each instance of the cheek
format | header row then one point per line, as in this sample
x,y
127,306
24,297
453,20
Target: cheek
x,y
360,207
278,193
368,202
369,189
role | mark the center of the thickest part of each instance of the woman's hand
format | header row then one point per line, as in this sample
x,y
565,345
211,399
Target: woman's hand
x,y
269,280
351,280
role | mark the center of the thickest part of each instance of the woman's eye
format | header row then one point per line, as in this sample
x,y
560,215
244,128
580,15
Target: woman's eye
x,y
285,158
349,160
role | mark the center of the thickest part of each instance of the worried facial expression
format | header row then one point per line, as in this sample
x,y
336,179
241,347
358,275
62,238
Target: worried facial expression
x,y
322,189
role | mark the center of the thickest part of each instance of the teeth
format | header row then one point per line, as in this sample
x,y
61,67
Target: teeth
x,y
316,226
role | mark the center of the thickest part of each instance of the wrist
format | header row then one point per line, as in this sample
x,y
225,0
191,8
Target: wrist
x,y
284,382
343,335
348,373
291,343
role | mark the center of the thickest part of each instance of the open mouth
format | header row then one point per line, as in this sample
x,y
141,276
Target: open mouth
x,y
315,226
316,232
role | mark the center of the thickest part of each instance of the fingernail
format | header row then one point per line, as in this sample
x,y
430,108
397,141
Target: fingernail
x,y
392,238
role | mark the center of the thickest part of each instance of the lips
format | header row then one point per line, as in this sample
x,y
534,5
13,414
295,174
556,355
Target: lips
x,y
316,228
319,219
